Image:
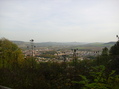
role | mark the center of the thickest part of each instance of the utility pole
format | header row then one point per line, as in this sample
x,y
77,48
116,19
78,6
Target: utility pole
x,y
32,47
74,56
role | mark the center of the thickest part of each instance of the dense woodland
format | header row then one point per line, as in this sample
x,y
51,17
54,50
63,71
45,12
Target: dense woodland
x,y
19,73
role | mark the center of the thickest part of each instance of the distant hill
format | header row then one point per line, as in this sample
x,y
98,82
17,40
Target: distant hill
x,y
18,42
23,44
45,44
94,46
110,43
59,43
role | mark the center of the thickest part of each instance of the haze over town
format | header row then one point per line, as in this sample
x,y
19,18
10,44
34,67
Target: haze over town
x,y
59,20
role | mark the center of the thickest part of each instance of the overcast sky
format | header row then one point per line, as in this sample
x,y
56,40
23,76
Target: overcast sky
x,y
59,20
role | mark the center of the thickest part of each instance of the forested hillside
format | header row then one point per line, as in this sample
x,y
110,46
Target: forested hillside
x,y
18,72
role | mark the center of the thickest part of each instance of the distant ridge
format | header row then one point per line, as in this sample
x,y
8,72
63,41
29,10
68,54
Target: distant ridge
x,y
111,43
21,44
47,44
18,42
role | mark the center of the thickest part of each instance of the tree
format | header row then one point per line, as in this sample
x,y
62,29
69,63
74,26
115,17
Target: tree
x,y
11,55
105,51
104,58
114,51
98,79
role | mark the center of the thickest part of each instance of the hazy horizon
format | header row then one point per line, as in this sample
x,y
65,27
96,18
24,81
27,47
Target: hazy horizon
x,y
62,41
59,20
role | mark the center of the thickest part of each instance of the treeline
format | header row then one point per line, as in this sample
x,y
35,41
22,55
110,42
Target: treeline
x,y
19,73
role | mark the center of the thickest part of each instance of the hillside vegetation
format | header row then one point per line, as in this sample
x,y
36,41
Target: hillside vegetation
x,y
19,73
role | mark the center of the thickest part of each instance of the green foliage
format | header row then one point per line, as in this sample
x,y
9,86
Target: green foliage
x,y
114,54
105,52
10,53
59,76
103,60
99,80
115,49
110,57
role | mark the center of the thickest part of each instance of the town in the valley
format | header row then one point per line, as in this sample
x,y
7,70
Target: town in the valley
x,y
45,54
